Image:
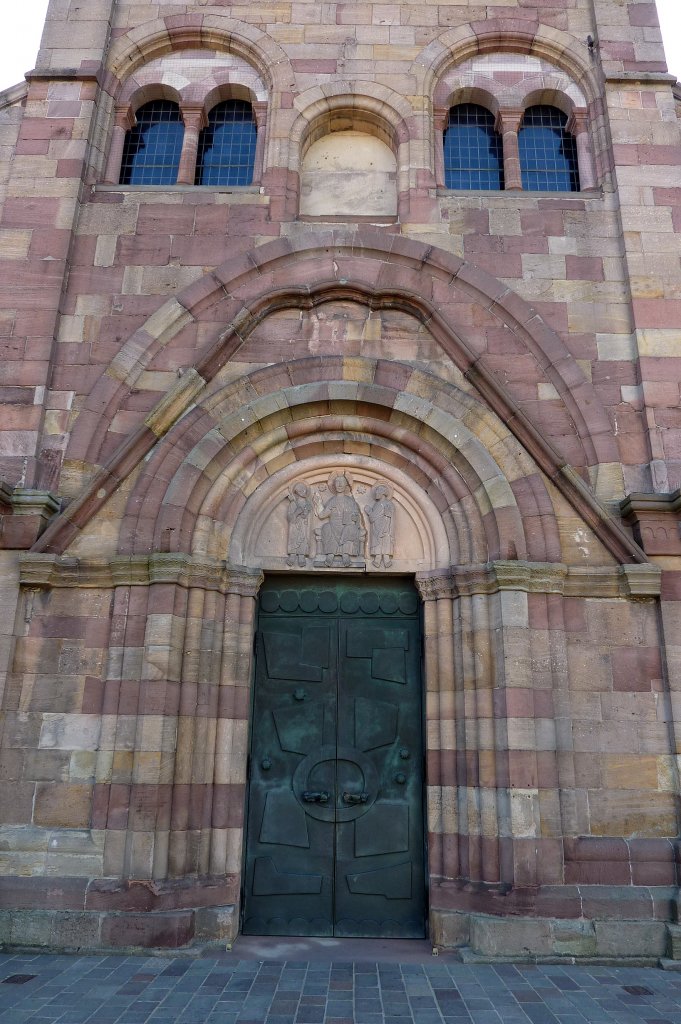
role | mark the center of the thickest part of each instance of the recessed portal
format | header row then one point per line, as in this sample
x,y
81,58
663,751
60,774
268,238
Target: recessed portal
x,y
335,834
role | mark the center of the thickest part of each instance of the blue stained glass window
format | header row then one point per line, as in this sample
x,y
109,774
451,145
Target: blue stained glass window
x,y
151,155
473,150
227,145
548,153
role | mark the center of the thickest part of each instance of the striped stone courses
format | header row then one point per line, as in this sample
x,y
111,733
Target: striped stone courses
x,y
549,709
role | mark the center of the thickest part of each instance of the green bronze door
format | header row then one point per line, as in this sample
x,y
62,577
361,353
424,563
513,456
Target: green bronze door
x,y
335,842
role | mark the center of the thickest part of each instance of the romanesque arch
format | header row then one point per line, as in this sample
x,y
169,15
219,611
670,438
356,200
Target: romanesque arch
x,y
430,285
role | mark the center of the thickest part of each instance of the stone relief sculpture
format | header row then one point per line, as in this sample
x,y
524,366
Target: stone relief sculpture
x,y
341,535
298,516
381,516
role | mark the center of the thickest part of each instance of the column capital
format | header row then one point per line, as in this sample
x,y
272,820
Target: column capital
x,y
242,580
578,121
440,118
193,115
435,586
124,117
260,108
509,120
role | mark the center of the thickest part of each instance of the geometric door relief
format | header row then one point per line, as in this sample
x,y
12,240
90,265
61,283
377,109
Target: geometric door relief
x,y
334,840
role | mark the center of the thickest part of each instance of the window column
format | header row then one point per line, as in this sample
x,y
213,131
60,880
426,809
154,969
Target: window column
x,y
194,118
578,125
260,116
508,126
124,120
440,121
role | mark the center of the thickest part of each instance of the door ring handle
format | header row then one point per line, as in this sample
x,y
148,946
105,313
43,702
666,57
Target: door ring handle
x,y
355,798
315,797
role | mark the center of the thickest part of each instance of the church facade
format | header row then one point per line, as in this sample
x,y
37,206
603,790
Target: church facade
x,y
340,461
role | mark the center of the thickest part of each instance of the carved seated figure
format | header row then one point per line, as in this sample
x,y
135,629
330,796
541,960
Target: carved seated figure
x,y
341,534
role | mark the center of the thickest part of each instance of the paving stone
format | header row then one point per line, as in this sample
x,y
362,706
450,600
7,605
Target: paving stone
x,y
79,990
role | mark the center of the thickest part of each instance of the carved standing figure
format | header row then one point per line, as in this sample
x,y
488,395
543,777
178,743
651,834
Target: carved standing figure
x,y
381,516
341,534
298,515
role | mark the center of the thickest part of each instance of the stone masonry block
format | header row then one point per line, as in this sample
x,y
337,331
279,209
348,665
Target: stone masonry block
x,y
631,938
498,936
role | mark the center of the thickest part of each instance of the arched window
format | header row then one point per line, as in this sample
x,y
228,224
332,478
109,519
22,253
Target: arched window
x,y
547,151
472,149
227,145
151,155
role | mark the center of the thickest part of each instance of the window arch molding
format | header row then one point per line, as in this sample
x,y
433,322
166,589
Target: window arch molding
x,y
565,52
383,113
153,40
577,125
125,121
195,101
476,95
547,151
163,40
546,87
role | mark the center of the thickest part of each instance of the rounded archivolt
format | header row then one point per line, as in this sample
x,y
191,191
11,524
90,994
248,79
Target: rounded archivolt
x,y
452,468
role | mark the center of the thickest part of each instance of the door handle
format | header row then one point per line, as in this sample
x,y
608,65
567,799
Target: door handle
x,y
355,798
314,797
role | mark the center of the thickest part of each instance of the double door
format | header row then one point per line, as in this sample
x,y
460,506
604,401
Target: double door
x,y
335,842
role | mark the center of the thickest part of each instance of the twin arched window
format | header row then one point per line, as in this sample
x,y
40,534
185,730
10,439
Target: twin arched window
x,y
154,147
159,151
475,153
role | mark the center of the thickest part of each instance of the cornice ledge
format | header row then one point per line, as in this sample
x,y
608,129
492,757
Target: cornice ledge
x,y
14,94
533,577
27,501
64,74
644,502
655,521
642,580
640,76
45,570
608,581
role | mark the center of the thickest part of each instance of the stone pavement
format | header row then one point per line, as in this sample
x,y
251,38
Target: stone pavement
x,y
235,988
